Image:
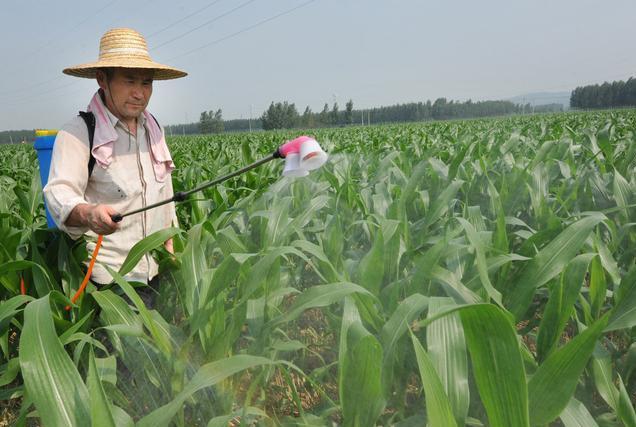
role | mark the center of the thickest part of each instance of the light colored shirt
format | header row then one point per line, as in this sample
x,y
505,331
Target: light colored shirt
x,y
128,183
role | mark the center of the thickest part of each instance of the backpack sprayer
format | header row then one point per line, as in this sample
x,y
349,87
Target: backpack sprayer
x,y
301,155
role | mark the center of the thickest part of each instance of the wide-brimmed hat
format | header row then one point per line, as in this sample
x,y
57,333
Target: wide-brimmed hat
x,y
124,48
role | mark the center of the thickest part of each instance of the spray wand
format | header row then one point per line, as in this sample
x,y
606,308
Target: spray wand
x,y
301,155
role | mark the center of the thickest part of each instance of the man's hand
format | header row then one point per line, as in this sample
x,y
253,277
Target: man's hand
x,y
169,245
97,218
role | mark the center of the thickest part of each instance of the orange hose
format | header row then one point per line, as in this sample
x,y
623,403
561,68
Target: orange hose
x,y
22,287
88,272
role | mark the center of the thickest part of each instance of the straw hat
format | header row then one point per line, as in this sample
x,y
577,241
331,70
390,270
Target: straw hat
x,y
125,48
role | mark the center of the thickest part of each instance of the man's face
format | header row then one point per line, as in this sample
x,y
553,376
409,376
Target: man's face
x,y
127,92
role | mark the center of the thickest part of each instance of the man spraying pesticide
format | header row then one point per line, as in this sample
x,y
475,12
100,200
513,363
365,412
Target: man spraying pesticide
x,y
112,162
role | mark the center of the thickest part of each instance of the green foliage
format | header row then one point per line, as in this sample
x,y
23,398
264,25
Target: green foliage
x,y
50,377
16,136
281,115
211,122
468,272
615,94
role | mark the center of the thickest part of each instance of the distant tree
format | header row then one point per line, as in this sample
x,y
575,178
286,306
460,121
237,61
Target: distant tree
x,y
307,120
630,92
217,125
323,117
349,112
211,122
204,123
239,125
615,94
270,118
280,116
548,108
16,136
333,116
439,108
291,117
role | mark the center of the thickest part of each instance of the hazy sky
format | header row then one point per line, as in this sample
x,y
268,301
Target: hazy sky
x,y
244,54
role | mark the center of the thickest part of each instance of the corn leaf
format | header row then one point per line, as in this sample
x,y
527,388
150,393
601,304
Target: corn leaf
x,y
497,364
144,246
9,371
371,268
318,296
603,376
398,324
9,308
162,341
480,260
438,407
50,377
225,420
552,386
558,310
101,413
207,376
13,266
624,312
626,412
440,206
447,349
549,262
598,287
576,414
360,373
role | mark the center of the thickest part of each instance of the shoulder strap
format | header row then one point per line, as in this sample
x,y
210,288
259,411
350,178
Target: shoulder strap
x,y
89,119
155,119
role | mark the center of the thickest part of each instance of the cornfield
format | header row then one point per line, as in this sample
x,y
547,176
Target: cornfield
x,y
445,274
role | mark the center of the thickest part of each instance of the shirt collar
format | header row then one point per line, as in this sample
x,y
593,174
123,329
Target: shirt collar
x,y
141,120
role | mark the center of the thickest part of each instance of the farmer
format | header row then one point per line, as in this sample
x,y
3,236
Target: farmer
x,y
131,167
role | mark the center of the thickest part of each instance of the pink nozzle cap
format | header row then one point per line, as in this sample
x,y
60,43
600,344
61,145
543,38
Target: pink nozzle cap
x,y
293,146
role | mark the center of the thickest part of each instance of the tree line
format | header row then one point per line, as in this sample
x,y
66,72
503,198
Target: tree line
x,y
211,122
607,95
285,115
234,125
16,136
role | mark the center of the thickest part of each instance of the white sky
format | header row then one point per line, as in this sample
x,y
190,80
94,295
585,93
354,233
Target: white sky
x,y
374,52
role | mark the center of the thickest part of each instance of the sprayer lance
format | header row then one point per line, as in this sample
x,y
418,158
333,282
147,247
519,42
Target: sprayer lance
x,y
180,196
301,155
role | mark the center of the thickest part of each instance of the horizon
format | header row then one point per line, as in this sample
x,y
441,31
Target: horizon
x,y
243,56
377,107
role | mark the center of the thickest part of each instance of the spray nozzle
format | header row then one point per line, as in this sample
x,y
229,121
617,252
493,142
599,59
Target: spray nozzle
x,y
292,166
301,155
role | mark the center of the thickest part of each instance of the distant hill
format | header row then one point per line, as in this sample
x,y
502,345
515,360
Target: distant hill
x,y
543,98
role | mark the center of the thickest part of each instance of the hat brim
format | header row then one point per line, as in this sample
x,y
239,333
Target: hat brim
x,y
162,72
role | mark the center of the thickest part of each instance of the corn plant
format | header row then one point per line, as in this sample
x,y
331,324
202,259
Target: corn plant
x,y
450,273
